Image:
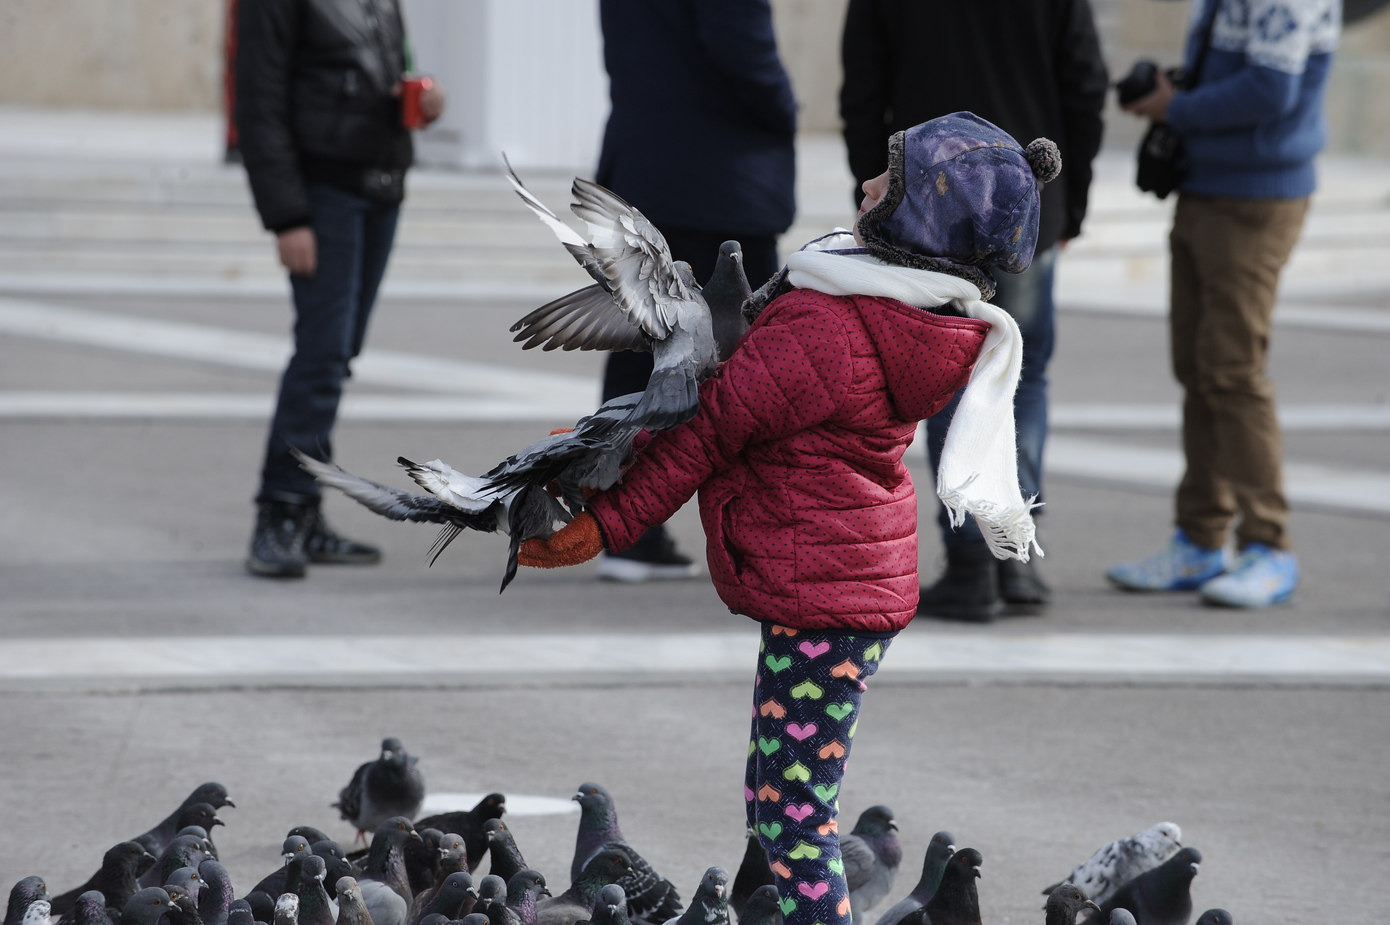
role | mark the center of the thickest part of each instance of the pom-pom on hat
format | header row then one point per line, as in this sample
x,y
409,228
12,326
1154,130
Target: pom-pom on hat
x,y
962,199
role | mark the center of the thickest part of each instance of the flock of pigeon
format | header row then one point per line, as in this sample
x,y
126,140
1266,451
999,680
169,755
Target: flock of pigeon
x,y
641,299
423,873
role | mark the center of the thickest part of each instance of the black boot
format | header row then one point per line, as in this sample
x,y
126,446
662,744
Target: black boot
x,y
968,591
277,545
1022,588
324,545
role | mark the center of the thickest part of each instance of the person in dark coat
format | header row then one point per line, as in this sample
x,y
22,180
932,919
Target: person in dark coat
x,y
700,139
1034,68
318,115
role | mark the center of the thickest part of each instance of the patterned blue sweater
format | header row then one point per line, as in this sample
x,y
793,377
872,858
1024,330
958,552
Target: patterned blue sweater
x,y
1254,122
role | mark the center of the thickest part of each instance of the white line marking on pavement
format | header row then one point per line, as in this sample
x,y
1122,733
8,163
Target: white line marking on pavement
x,y
517,804
1329,486
252,350
1076,656
396,288
1341,318
1343,417
248,406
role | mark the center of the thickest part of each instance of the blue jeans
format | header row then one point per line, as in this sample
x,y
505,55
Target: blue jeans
x,y
1028,297
354,237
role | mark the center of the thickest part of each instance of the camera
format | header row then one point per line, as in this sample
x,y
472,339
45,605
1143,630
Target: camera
x,y
1142,80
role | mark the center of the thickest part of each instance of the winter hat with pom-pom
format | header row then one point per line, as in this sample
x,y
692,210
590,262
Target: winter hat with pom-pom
x,y
962,199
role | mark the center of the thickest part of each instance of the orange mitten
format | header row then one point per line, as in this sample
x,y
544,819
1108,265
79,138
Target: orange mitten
x,y
578,541
562,430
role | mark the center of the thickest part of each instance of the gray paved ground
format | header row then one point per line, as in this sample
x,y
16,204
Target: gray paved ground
x,y
136,528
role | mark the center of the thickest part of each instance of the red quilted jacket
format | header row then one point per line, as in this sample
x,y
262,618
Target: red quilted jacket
x,y
796,451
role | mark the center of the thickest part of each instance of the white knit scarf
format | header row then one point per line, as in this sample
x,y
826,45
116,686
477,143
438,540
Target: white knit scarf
x,y
978,471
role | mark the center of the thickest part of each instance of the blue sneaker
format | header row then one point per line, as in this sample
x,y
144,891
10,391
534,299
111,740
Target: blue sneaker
x,y
1183,566
1261,577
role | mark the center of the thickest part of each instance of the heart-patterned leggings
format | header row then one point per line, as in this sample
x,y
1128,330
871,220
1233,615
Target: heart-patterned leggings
x,y
805,713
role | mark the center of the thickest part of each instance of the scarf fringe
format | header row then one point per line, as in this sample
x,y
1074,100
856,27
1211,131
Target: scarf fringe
x,y
1009,532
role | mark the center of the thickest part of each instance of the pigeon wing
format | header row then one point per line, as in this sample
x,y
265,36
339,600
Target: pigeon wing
x,y
587,319
859,861
350,797
651,898
387,501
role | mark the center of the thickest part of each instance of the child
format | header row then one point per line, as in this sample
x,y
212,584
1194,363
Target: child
x,y
796,452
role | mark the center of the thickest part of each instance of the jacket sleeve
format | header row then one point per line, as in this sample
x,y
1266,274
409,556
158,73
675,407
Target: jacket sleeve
x,y
865,96
1082,83
267,36
790,373
739,38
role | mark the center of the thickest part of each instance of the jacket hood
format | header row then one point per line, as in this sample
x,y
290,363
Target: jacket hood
x,y
924,357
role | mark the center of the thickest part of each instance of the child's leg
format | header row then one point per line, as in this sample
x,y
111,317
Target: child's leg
x,y
807,710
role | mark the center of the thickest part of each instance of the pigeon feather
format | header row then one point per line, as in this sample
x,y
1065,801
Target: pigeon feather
x,y
1115,864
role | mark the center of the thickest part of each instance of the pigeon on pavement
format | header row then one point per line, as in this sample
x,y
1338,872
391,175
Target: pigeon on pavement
x,y
650,897
501,847
389,786
1119,862
118,879
90,909
609,866
385,889
643,299
710,904
956,901
469,824
215,899
158,838
1066,902
146,907
449,899
871,855
24,894
753,871
762,908
939,851
315,906
1162,896
351,910
1215,917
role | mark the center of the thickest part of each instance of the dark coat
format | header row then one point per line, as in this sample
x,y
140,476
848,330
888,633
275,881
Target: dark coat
x,y
700,136
314,103
1032,67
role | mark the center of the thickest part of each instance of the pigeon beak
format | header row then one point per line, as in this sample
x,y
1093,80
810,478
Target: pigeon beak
x,y
1194,869
229,802
577,797
719,890
415,836
545,892
892,826
216,821
472,892
977,872
1090,905
951,848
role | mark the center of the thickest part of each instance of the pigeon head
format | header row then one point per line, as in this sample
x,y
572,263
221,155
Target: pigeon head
x,y
455,887
762,907
146,907
714,884
731,249
610,865
474,918
187,878
128,856
308,833
1122,917
327,848
430,837
452,846
287,909
239,913
596,806
1216,917
492,888
492,827
211,793
199,814
296,846
875,822
29,890
1065,903
395,831
612,897
393,752
1183,865
491,806
312,868
196,831
525,884
964,865
687,275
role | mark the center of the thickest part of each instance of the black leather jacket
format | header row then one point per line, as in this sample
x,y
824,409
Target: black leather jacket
x,y
314,103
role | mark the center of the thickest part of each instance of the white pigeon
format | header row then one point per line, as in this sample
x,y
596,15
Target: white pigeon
x,y
1119,862
37,913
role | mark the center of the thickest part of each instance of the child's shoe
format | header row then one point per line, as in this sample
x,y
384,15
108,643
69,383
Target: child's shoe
x,y
1261,577
1183,566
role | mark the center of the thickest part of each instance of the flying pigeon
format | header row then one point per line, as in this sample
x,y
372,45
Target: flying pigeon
x,y
650,897
753,871
762,907
449,899
118,879
385,889
501,847
939,851
1065,903
642,300
22,895
215,899
956,901
469,824
389,786
351,910
1215,917
710,904
90,909
1119,862
871,854
611,908
609,866
1162,896
158,838
146,907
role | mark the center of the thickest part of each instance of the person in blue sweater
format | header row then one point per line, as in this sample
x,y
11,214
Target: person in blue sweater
x,y
1250,127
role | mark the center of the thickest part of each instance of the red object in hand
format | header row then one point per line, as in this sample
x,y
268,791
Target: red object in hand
x,y
412,89
578,541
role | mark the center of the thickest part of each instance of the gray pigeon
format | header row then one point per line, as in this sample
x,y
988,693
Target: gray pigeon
x,y
204,817
422,860
315,906
1216,917
473,918
184,851
183,908
492,892
240,914
453,859
351,910
23,894
90,909
287,910
389,786
1122,917
385,887
284,879
524,895
1119,862
753,871
188,879
939,851
501,848
871,855
469,824
762,908
215,899
956,901
158,838
309,834
1065,903
335,859
118,879
1162,896
650,897
710,904
448,900
146,907
609,866
611,908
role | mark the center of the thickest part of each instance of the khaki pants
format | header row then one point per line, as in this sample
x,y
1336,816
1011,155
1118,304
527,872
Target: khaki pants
x,y
1227,255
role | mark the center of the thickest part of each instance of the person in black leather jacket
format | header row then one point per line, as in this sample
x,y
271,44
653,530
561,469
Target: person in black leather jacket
x,y
318,112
